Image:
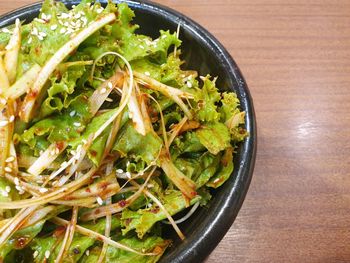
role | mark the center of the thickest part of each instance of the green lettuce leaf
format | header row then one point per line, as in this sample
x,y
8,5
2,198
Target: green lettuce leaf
x,y
147,244
21,238
214,136
207,109
79,244
143,219
225,170
199,169
58,94
130,143
59,127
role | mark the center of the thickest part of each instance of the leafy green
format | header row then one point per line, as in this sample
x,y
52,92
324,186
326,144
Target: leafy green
x,y
225,170
147,244
21,238
60,127
207,111
130,143
199,169
143,219
214,136
6,197
58,94
79,244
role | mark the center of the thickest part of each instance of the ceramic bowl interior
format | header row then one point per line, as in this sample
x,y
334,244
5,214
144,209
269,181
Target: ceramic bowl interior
x,y
205,54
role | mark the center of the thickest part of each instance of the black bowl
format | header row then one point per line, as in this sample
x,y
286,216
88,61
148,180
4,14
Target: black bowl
x,y
205,54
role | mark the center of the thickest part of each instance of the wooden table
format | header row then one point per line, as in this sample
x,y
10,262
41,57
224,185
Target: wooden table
x,y
295,56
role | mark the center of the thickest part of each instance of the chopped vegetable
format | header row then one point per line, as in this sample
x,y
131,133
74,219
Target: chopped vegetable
x,y
104,137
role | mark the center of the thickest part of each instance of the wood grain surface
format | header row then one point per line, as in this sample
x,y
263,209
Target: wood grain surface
x,y
295,56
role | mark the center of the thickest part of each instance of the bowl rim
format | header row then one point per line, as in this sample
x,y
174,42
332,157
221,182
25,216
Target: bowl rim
x,y
196,248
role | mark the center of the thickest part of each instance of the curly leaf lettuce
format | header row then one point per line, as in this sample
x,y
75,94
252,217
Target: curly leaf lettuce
x,y
214,136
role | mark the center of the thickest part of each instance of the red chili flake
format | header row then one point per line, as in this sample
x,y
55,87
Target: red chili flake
x,y
21,242
103,185
60,230
154,210
32,94
93,153
59,145
128,221
122,203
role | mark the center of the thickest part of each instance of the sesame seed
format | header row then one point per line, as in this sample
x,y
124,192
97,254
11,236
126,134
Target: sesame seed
x,y
43,16
69,30
47,253
72,113
12,118
109,100
10,159
41,38
63,30
3,101
16,181
64,15
3,123
99,11
43,190
53,27
77,124
103,90
128,174
87,252
216,180
99,200
148,42
119,171
35,254
30,40
147,73
57,151
84,20
110,85
35,31
142,47
8,188
40,20
4,193
5,30
42,34
48,17
164,36
189,84
74,6
53,152
20,189
77,16
8,169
